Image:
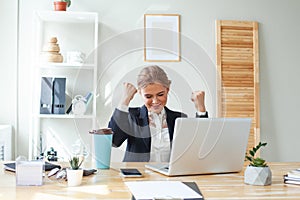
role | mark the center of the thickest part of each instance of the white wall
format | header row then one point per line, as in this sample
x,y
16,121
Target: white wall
x,y
279,64
8,66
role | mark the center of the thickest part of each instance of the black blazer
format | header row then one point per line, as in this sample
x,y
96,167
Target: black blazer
x,y
134,127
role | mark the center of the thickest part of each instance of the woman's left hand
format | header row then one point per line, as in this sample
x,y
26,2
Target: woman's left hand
x,y
198,97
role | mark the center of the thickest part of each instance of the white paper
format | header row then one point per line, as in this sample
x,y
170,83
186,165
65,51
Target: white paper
x,y
161,189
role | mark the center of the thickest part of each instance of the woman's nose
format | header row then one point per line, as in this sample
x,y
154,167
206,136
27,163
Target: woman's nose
x,y
154,100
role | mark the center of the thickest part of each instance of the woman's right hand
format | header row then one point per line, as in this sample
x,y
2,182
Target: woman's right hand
x,y
198,97
128,93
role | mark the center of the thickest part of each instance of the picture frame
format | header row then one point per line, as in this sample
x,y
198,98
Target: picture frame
x,y
162,38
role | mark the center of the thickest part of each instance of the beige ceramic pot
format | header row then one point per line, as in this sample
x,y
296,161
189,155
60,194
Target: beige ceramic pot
x,y
258,175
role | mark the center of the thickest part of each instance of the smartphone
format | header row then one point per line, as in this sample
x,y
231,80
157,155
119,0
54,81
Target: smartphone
x,y
130,172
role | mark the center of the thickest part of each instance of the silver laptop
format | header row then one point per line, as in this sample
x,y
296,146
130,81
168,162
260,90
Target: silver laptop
x,y
206,146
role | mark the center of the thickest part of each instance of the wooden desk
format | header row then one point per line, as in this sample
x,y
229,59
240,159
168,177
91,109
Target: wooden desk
x,y
108,184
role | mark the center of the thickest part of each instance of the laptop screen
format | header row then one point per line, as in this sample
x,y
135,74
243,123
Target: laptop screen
x,y
208,145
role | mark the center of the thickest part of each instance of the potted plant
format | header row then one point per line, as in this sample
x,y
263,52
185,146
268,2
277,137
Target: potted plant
x,y
257,172
61,5
75,173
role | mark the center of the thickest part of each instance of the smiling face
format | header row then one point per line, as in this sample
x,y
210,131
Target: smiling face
x,y
154,96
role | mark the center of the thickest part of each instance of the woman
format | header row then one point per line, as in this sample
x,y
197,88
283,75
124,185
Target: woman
x,y
149,129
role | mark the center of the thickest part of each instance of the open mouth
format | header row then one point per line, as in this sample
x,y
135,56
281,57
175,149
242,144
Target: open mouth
x,y
156,107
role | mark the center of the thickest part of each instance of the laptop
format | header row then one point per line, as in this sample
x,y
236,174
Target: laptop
x,y
206,146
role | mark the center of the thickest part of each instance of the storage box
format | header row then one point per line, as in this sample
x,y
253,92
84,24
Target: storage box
x,y
29,173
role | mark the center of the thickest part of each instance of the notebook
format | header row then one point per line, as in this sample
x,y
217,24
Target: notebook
x,y
191,185
206,146
12,166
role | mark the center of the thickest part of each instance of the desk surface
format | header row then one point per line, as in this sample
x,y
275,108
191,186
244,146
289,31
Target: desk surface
x,y
108,184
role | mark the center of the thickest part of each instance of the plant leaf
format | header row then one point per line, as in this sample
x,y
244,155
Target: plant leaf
x,y
259,162
264,144
249,158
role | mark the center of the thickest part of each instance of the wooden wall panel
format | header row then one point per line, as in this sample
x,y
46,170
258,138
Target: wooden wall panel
x,y
238,72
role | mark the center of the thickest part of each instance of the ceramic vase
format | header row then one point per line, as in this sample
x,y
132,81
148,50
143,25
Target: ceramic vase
x,y
258,175
60,6
74,177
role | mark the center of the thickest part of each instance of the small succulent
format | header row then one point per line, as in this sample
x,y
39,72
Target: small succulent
x,y
75,162
256,161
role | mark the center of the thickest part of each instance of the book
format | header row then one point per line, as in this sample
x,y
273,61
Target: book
x,y
287,177
88,98
292,177
294,173
292,182
191,185
12,166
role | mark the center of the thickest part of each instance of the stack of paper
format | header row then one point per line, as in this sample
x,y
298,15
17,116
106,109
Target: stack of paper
x,y
161,190
292,177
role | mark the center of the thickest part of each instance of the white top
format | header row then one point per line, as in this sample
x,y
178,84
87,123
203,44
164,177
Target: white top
x,y
160,140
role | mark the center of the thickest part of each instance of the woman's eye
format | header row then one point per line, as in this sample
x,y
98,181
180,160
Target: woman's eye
x,y
148,96
161,94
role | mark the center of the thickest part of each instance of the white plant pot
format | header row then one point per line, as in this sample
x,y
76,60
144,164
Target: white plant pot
x,y
258,175
74,177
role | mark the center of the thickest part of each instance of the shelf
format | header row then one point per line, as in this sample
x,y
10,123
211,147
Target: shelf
x,y
62,116
69,17
75,31
67,66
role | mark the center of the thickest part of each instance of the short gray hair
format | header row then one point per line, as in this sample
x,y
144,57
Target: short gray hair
x,y
152,74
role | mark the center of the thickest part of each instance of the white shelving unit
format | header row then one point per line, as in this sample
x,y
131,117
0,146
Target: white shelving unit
x,y
75,31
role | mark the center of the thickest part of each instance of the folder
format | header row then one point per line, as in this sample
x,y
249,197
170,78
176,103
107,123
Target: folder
x,y
59,96
53,97
46,95
11,166
191,185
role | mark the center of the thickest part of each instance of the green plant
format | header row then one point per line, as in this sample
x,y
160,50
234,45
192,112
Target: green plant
x,y
256,161
75,162
68,2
